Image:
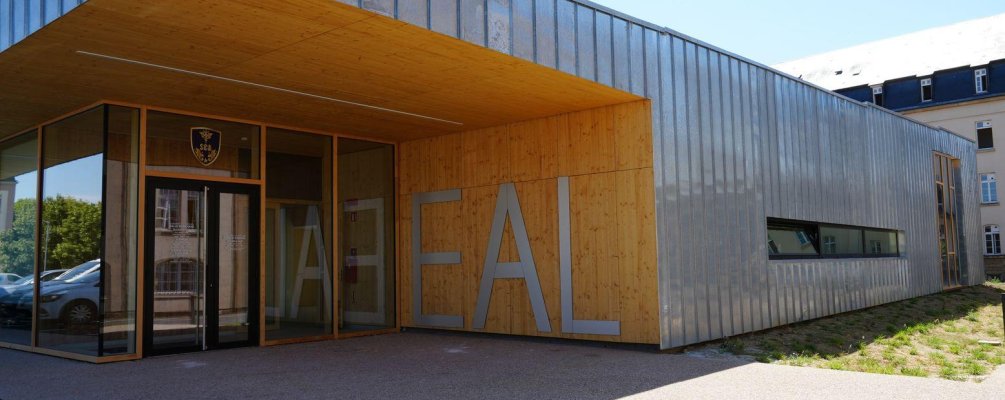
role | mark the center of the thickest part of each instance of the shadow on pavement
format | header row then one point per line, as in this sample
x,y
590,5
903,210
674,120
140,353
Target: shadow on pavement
x,y
408,365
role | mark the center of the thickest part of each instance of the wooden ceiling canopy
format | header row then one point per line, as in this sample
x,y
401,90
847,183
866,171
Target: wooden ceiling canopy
x,y
280,62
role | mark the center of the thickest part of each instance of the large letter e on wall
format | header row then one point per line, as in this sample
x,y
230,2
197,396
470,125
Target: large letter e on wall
x,y
419,259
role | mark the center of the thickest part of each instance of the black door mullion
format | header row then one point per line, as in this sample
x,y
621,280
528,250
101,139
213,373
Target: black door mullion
x,y
213,269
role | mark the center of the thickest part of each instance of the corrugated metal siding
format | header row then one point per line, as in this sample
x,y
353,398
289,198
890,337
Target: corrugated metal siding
x,y
735,143
20,18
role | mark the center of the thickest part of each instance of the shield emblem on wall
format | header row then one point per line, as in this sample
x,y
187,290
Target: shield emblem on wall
x,y
206,145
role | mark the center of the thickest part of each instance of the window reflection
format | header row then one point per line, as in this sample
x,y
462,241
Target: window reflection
x,y
71,232
298,272
89,308
366,235
18,182
840,241
791,239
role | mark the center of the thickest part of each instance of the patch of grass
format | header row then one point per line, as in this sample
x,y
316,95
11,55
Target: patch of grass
x,y
973,368
930,336
838,364
948,372
734,346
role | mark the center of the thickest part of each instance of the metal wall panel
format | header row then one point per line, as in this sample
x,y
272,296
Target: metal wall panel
x,y
20,18
414,12
735,143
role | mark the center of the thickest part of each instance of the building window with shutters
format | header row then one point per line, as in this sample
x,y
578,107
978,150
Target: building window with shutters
x,y
981,80
989,189
985,137
992,240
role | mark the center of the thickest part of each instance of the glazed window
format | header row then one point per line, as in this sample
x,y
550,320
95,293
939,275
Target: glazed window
x,y
877,95
926,89
789,239
792,239
18,176
992,240
985,136
989,189
981,80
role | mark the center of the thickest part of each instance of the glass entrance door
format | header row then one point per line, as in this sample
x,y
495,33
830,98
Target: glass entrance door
x,y
201,273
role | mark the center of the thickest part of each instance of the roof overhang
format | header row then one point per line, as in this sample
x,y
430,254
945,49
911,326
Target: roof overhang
x,y
315,64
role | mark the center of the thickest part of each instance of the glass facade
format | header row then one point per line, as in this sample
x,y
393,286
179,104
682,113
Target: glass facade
x,y
298,230
88,232
366,235
70,208
946,173
121,215
18,205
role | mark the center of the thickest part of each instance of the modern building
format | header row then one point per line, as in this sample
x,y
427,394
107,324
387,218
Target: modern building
x,y
956,83
221,173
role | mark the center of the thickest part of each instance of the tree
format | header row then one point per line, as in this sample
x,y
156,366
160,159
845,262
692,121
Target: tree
x,y
17,244
71,234
74,231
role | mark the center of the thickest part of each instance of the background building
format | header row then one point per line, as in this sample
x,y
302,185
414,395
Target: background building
x,y
952,77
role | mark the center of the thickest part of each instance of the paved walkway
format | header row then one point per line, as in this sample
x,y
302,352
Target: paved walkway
x,y
436,366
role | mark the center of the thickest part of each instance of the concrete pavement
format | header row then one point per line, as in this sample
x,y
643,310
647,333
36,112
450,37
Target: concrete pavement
x,y
439,365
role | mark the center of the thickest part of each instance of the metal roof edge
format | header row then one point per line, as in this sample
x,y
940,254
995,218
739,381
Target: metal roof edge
x,y
672,32
911,119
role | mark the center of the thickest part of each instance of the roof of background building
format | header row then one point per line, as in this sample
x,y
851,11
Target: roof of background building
x,y
968,43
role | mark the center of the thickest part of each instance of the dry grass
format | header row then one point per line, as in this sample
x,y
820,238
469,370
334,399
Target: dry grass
x,y
931,336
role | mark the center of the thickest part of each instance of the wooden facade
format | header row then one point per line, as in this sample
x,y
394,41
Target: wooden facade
x,y
607,155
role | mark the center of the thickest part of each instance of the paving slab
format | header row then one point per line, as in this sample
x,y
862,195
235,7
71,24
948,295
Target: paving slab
x,y
427,365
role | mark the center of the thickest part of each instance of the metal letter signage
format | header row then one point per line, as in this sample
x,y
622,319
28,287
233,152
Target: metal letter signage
x,y
419,258
507,203
569,324
205,144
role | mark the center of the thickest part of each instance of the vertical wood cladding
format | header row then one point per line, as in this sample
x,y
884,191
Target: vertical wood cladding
x,y
606,153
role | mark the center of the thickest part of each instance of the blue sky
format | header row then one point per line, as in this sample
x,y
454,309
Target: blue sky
x,y
80,178
773,31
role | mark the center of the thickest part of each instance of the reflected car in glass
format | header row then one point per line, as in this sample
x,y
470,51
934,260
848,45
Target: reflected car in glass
x,y
8,278
10,294
73,302
65,292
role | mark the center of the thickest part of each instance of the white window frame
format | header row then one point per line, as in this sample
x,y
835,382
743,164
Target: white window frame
x,y
804,239
992,236
875,247
979,85
989,188
927,82
984,125
828,244
877,91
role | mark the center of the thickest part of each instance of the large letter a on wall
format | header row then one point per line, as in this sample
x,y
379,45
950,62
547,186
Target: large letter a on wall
x,y
508,204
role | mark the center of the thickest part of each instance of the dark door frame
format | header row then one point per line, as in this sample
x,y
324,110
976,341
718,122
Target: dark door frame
x,y
211,264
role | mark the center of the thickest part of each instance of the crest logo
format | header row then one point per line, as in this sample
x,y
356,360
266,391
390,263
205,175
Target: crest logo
x,y
206,145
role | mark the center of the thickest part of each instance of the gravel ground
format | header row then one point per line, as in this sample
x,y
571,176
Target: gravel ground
x,y
429,365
